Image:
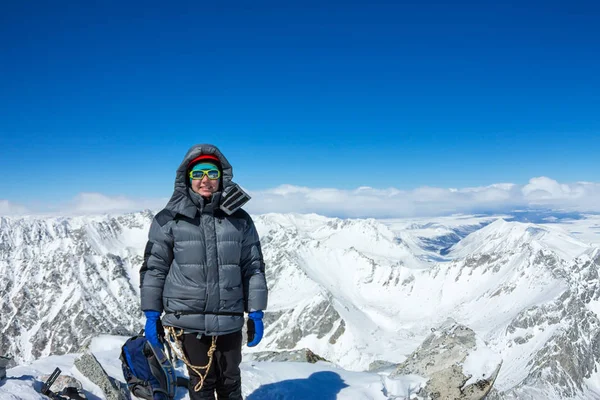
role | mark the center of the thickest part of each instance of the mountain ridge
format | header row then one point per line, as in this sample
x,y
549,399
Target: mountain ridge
x,y
354,291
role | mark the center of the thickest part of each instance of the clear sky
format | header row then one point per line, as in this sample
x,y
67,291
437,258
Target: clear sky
x,y
107,97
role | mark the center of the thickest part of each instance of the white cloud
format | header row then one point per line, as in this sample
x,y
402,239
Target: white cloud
x,y
370,202
97,203
85,204
8,208
548,192
429,201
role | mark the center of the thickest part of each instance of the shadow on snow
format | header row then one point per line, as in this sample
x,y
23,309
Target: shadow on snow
x,y
324,385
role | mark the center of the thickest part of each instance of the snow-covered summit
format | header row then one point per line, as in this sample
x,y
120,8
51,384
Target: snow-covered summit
x,y
501,236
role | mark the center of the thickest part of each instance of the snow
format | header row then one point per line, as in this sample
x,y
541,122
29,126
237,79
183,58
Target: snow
x,y
593,383
260,380
290,380
385,278
404,386
586,229
485,295
501,236
480,364
594,306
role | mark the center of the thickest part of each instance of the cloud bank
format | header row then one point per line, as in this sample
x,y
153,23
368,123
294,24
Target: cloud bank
x,y
85,204
8,208
97,203
540,192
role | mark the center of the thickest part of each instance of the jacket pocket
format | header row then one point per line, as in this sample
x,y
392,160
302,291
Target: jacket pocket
x,y
185,306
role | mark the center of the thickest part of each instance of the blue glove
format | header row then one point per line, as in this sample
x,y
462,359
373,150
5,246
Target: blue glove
x,y
153,327
255,328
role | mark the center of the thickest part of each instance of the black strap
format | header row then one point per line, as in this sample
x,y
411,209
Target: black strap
x,y
182,382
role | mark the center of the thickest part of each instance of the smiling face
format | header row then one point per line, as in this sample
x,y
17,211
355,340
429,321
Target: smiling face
x,y
205,179
205,187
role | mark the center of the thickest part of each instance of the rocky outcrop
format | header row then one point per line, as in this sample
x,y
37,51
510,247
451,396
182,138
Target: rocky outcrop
x,y
302,355
3,364
89,366
457,364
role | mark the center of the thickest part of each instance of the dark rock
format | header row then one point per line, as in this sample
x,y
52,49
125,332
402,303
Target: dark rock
x,y
91,368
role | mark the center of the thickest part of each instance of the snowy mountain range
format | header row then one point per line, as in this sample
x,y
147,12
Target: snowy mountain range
x,y
353,291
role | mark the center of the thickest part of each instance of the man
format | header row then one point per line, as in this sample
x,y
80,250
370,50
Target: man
x,y
203,266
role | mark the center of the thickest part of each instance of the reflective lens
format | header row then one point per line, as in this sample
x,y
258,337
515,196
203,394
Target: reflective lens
x,y
211,173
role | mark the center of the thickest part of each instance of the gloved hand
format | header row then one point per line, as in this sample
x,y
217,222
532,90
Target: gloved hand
x,y
255,328
153,328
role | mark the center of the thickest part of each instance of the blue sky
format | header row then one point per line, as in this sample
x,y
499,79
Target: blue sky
x,y
107,98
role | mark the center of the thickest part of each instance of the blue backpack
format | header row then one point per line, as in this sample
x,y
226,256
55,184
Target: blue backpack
x,y
148,371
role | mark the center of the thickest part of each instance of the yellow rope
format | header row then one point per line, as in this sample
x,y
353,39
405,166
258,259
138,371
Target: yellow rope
x,y
173,339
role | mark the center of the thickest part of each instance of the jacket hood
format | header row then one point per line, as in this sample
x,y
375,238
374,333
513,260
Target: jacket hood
x,y
180,201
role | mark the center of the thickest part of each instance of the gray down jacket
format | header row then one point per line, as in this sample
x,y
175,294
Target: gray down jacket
x,y
202,267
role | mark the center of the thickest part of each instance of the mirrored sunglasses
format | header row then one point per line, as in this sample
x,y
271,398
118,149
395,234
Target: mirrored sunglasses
x,y
199,174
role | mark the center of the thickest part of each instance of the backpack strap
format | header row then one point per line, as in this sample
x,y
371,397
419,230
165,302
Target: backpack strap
x,y
163,370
